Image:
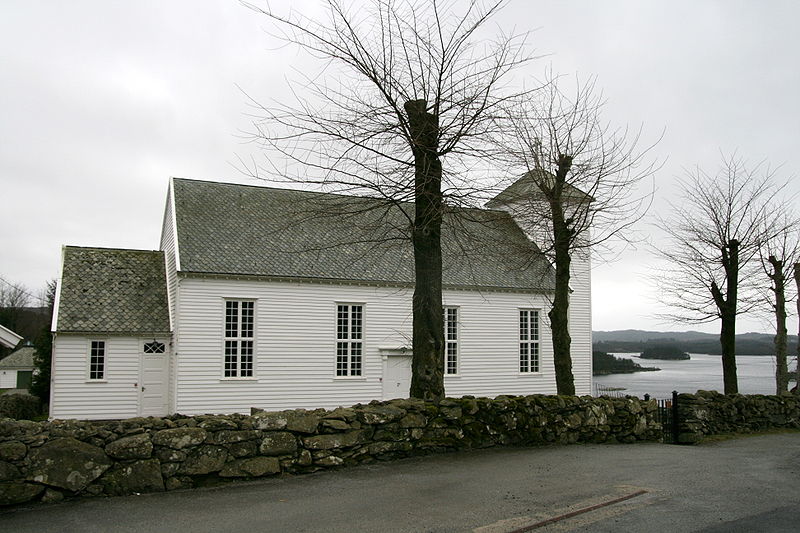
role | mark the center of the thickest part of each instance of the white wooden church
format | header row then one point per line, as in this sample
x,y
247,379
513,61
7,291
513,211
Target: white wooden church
x,y
278,299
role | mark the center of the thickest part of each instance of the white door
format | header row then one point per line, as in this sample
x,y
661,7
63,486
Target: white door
x,y
153,378
396,376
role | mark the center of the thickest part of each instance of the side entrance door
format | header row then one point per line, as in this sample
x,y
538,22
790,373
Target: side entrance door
x,y
24,379
153,377
396,376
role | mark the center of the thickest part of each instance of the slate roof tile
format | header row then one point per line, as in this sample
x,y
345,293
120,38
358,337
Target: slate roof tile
x,y
21,358
231,229
108,290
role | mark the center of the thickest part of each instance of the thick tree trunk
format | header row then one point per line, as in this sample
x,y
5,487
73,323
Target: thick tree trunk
x,y
726,305
427,366
797,282
727,337
779,288
559,313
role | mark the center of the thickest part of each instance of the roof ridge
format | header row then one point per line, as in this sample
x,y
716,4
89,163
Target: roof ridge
x,y
110,249
326,193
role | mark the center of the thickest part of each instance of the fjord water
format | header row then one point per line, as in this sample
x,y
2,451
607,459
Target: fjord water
x,y
702,372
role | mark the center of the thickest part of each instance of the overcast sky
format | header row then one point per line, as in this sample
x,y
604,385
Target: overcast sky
x,y
103,101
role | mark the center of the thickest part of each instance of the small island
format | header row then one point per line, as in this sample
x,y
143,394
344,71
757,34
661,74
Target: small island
x,y
604,364
664,351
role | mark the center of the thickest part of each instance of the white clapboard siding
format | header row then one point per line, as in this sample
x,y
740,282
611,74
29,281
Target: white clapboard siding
x,y
580,321
295,344
74,396
8,379
580,301
169,247
488,343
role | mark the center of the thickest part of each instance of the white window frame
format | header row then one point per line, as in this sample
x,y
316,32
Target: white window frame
x,y
454,342
89,364
346,364
237,341
529,336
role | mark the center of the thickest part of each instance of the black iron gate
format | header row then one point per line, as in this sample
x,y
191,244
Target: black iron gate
x,y
667,415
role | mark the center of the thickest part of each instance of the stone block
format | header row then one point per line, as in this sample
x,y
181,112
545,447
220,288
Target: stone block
x,y
278,443
230,436
204,460
67,463
136,477
12,450
179,438
137,446
333,441
13,493
252,467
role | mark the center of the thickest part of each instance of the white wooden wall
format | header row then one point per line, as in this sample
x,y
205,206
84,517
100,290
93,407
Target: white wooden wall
x,y
580,321
295,345
580,300
171,256
8,379
74,396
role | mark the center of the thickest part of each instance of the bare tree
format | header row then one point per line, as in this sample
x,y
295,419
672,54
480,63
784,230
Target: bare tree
x,y
402,112
580,184
14,295
797,360
714,232
777,255
14,298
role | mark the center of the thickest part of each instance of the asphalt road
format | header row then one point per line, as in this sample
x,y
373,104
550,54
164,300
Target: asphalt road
x,y
748,484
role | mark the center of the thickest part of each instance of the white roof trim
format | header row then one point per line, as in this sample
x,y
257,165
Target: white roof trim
x,y
171,193
57,297
8,338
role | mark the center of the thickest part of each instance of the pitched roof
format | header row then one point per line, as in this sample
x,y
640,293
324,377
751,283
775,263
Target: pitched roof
x,y
231,229
107,290
22,358
526,187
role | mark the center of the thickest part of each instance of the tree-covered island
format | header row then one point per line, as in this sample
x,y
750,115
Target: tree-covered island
x,y
664,351
604,363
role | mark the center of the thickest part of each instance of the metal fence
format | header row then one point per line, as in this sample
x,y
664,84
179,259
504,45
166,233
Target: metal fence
x,y
613,392
667,415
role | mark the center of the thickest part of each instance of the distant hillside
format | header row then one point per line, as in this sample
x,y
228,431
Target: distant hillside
x,y
634,340
24,321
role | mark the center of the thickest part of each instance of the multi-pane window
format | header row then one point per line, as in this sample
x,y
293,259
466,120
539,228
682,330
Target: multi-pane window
x,y
97,360
349,339
239,338
451,340
528,340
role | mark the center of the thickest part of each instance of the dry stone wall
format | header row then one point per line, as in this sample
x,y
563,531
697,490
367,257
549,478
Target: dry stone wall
x,y
712,413
50,461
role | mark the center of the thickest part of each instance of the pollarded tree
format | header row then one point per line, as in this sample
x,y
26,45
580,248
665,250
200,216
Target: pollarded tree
x,y
401,112
714,233
777,255
580,182
797,360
